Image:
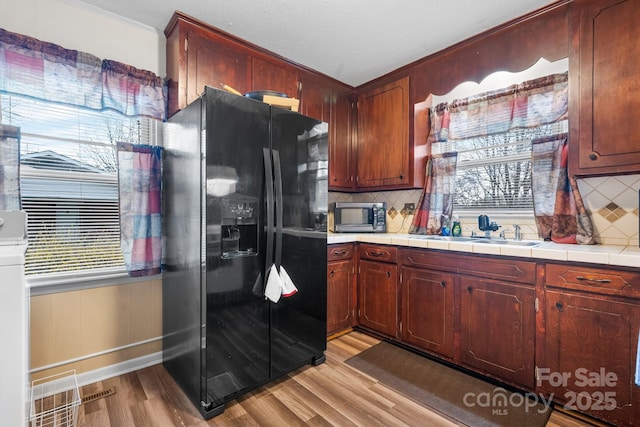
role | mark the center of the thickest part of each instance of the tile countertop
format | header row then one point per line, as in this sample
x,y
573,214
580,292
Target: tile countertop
x,y
626,256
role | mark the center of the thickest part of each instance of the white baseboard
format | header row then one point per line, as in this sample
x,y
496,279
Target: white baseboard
x,y
111,371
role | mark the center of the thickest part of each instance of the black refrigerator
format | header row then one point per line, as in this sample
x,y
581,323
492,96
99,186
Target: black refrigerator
x,y
244,188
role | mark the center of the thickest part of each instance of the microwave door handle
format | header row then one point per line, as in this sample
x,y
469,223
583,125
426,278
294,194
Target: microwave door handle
x,y
374,218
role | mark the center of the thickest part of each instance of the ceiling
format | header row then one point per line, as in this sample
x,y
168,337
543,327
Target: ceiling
x,y
353,41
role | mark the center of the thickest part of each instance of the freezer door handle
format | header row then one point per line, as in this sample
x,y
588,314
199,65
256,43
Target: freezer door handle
x,y
277,170
268,176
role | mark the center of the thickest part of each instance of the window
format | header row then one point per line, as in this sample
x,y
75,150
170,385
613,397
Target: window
x,y
491,126
69,183
494,171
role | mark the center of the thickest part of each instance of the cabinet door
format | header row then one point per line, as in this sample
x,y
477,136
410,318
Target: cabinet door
x,y
316,98
340,298
605,59
211,63
342,155
427,310
267,75
497,329
383,136
378,298
587,336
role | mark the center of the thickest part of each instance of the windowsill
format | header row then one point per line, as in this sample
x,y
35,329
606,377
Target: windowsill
x,y
74,281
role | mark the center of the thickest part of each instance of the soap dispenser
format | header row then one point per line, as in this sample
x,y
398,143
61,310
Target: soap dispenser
x,y
445,225
456,229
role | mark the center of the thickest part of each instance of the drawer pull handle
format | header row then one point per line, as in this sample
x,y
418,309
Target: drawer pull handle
x,y
376,254
340,253
443,284
559,306
587,279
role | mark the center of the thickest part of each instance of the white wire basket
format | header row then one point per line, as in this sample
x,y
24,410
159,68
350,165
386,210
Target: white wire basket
x,y
55,401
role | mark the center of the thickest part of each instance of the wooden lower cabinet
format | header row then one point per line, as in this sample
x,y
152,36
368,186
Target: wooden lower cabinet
x,y
428,310
497,329
341,302
378,297
589,355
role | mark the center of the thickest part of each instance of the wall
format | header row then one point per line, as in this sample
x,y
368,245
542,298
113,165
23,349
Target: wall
x,y
612,203
75,25
92,324
100,326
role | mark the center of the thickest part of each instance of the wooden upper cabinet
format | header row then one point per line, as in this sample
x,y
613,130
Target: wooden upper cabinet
x,y
212,64
342,150
316,98
383,136
605,87
269,75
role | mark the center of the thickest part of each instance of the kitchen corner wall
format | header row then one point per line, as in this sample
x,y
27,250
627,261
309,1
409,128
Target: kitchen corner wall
x,y
612,203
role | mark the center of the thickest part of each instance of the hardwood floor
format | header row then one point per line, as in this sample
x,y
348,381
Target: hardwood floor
x,y
332,394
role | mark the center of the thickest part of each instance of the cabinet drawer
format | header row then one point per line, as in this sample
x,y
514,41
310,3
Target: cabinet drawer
x,y
378,253
600,280
499,268
338,252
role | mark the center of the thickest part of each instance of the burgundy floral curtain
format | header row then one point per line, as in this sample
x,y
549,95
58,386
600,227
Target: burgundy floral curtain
x,y
436,199
525,105
558,208
30,67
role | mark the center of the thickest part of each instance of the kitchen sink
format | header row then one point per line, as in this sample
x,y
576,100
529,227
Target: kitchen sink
x,y
482,240
443,238
490,241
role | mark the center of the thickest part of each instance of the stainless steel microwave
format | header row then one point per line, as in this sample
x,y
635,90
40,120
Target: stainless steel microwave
x,y
352,217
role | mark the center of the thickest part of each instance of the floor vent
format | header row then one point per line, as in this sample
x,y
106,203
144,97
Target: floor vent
x,y
99,395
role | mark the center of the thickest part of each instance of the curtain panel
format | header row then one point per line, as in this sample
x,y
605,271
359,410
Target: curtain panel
x,y
9,168
46,71
436,199
558,207
140,189
529,104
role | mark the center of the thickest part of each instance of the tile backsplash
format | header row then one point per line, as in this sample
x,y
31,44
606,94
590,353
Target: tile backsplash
x,y
612,203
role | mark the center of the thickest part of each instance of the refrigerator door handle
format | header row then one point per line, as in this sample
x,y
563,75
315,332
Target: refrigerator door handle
x,y
279,209
268,175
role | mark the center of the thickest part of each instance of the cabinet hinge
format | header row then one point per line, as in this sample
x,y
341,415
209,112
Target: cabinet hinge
x,y
536,304
400,277
300,86
400,327
186,44
537,374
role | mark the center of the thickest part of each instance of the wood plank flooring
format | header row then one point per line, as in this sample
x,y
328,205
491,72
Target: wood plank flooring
x,y
332,394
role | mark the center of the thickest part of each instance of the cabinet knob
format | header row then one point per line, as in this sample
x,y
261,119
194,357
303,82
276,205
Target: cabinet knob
x,y
332,273
469,289
443,284
559,306
388,274
593,156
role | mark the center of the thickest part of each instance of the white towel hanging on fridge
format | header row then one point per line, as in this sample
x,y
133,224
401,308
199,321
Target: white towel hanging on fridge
x,y
273,290
279,284
288,288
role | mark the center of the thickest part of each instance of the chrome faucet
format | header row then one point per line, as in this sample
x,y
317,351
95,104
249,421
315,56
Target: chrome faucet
x,y
517,232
